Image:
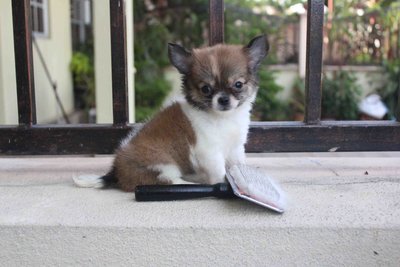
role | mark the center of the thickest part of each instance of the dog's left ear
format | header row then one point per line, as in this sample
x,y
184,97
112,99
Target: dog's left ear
x,y
256,50
180,58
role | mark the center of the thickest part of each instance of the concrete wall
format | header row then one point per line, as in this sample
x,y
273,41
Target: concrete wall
x,y
336,216
56,50
368,77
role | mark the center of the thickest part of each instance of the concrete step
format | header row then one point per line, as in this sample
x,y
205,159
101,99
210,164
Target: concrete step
x,y
343,211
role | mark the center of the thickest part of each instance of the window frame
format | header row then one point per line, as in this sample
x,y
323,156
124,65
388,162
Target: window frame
x,y
45,9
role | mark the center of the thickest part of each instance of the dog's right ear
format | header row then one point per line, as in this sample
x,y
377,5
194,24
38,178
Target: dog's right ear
x,y
180,58
257,49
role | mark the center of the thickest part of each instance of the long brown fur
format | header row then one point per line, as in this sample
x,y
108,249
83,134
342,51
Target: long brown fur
x,y
163,140
167,138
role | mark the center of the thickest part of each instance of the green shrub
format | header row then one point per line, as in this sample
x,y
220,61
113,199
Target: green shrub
x,y
390,91
151,87
296,102
340,96
82,70
185,22
267,106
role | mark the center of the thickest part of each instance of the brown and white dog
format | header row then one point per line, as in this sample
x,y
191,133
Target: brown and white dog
x,y
195,140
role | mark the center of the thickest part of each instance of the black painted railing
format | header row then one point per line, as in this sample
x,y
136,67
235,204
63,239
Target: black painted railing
x,y
28,138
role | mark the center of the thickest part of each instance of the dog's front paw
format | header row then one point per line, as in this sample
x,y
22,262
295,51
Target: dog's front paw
x,y
236,157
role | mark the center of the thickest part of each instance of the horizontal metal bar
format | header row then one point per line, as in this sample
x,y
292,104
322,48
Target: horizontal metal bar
x,y
324,137
263,137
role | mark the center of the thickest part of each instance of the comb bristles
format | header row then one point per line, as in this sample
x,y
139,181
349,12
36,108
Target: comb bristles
x,y
257,185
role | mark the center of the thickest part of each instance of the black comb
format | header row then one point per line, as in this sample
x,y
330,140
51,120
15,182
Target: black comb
x,y
182,191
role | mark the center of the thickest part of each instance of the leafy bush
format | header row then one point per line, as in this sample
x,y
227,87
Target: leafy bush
x,y
179,22
297,106
340,96
150,59
185,22
267,106
82,70
390,90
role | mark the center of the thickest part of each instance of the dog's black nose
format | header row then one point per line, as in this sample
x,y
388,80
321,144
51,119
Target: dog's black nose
x,y
223,100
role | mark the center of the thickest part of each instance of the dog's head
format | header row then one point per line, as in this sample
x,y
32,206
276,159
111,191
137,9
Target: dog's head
x,y
221,77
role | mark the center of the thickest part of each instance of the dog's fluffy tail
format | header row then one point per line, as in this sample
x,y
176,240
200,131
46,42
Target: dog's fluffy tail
x,y
96,181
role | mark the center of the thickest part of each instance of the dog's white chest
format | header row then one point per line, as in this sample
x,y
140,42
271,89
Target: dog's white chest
x,y
217,133
221,134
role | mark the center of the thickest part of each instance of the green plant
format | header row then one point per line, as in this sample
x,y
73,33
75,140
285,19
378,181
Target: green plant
x,y
267,106
297,107
242,24
185,22
389,11
391,89
151,87
340,96
82,70
175,21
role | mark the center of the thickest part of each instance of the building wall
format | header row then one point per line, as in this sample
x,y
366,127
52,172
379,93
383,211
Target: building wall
x,y
8,95
56,50
57,53
102,58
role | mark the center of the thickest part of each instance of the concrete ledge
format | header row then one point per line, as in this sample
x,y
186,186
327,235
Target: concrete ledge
x,y
342,211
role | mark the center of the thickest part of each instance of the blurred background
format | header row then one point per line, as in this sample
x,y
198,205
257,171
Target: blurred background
x,y
72,53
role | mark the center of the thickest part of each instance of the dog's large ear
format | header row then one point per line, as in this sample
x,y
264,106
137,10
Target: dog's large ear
x,y
180,58
256,50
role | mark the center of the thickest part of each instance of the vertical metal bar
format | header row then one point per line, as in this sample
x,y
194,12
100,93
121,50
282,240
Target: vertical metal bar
x,y
119,61
398,100
216,21
397,112
315,21
24,62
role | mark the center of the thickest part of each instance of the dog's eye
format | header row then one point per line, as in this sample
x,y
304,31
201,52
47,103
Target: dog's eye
x,y
238,85
206,90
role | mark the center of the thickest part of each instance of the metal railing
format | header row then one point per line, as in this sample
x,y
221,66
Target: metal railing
x,y
29,138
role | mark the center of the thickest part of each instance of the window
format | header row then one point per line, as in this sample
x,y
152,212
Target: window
x,y
81,21
39,14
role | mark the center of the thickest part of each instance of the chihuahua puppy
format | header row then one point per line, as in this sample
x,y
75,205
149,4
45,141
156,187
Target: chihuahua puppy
x,y
195,140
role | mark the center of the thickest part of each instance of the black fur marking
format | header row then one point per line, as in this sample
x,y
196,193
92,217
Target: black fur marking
x,y
109,179
203,105
180,57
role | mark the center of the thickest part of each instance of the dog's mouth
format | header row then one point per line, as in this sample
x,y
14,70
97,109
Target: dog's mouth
x,y
224,102
224,108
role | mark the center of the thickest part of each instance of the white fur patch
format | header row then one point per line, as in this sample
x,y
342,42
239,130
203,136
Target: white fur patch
x,y
232,101
214,65
130,135
88,181
215,101
169,172
220,137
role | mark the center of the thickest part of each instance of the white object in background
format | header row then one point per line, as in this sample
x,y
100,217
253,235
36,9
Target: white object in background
x,y
373,106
